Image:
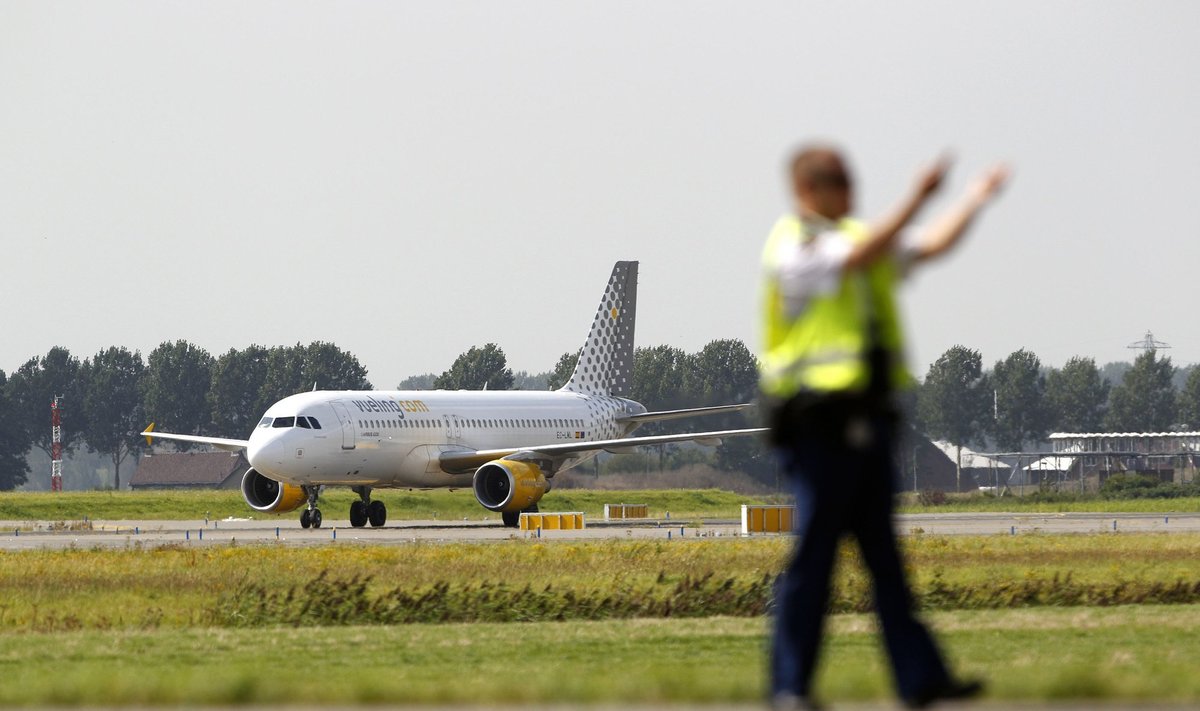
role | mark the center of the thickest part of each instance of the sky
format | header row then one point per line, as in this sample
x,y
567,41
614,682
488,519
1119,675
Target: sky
x,y
410,179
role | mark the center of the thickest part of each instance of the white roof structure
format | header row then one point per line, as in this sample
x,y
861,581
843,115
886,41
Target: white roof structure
x,y
1081,435
970,458
1051,464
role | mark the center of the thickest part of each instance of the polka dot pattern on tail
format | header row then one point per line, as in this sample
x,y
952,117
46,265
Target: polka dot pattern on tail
x,y
605,364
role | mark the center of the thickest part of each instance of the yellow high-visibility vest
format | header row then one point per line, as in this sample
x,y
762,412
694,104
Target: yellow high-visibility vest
x,y
823,349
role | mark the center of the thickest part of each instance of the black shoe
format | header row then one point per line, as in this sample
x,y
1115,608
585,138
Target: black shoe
x,y
948,690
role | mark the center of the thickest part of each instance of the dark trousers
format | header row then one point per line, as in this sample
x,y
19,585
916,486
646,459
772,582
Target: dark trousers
x,y
842,489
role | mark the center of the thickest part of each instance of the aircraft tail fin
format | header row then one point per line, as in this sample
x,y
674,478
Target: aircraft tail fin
x,y
605,365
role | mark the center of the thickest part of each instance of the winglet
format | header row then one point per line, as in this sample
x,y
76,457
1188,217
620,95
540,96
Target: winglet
x,y
149,439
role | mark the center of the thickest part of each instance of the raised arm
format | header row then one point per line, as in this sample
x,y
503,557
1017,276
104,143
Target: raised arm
x,y
943,234
881,235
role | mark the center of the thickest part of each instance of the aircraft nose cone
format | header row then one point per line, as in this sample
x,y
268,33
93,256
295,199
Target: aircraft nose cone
x,y
266,457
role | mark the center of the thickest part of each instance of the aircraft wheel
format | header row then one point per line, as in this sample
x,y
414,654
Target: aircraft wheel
x,y
315,518
377,513
358,514
305,519
511,518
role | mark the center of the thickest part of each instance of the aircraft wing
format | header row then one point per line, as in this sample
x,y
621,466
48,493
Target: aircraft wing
x,y
229,445
679,414
463,462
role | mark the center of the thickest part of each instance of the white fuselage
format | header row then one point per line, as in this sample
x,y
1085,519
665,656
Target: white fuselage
x,y
395,438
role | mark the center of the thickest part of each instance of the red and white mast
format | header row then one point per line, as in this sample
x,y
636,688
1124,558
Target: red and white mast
x,y
55,445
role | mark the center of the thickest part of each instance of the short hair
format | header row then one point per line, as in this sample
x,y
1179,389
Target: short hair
x,y
809,159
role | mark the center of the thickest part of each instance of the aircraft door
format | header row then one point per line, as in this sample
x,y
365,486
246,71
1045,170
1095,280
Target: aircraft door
x,y
347,424
453,429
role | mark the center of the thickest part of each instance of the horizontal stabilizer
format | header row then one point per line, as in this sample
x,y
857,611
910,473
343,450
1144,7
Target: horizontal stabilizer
x,y
465,462
680,414
229,445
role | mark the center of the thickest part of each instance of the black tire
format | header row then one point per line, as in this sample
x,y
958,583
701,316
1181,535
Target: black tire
x,y
305,519
377,513
511,518
358,514
315,517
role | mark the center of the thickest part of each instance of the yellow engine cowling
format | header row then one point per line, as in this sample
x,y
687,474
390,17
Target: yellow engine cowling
x,y
509,486
270,496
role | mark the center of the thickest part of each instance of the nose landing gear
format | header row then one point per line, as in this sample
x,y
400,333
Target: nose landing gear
x,y
365,510
311,516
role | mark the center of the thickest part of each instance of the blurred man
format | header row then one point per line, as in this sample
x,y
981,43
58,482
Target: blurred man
x,y
832,364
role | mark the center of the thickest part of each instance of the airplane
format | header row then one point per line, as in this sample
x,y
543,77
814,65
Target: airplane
x,y
506,445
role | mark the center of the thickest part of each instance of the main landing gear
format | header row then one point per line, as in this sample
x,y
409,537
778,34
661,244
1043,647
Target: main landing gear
x,y
366,510
513,519
311,516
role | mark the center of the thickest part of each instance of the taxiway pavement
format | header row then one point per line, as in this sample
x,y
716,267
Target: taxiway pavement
x,y
18,535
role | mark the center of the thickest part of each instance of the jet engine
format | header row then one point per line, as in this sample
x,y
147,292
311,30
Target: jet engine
x,y
509,486
271,496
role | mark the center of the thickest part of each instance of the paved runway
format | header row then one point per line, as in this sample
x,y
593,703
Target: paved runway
x,y
17,535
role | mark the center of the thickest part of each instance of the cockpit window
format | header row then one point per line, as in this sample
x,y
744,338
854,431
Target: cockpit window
x,y
284,422
302,421
265,422
315,425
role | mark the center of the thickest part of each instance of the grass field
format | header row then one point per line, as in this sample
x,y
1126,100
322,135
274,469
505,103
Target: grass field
x,y
1133,653
1096,616
404,504
976,503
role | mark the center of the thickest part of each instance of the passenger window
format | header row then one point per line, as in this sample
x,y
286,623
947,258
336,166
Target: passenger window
x,y
302,422
284,422
265,422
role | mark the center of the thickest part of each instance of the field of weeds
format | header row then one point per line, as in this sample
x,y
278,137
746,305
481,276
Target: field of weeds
x,y
526,580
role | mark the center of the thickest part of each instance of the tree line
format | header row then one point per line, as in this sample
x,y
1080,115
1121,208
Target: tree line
x,y
110,396
1018,403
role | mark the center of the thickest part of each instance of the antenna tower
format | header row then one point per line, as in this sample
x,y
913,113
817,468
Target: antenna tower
x,y
1148,343
55,445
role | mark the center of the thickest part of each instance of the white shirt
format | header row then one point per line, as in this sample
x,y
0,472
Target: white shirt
x,y
815,267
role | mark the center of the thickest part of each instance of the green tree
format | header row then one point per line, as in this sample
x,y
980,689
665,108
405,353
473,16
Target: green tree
x,y
725,372
234,390
1145,401
1020,407
14,442
331,368
175,389
524,380
1189,400
658,377
1076,396
477,369
418,382
33,386
112,405
563,370
319,365
953,401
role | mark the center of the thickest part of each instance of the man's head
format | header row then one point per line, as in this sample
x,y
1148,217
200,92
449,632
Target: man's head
x,y
821,183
